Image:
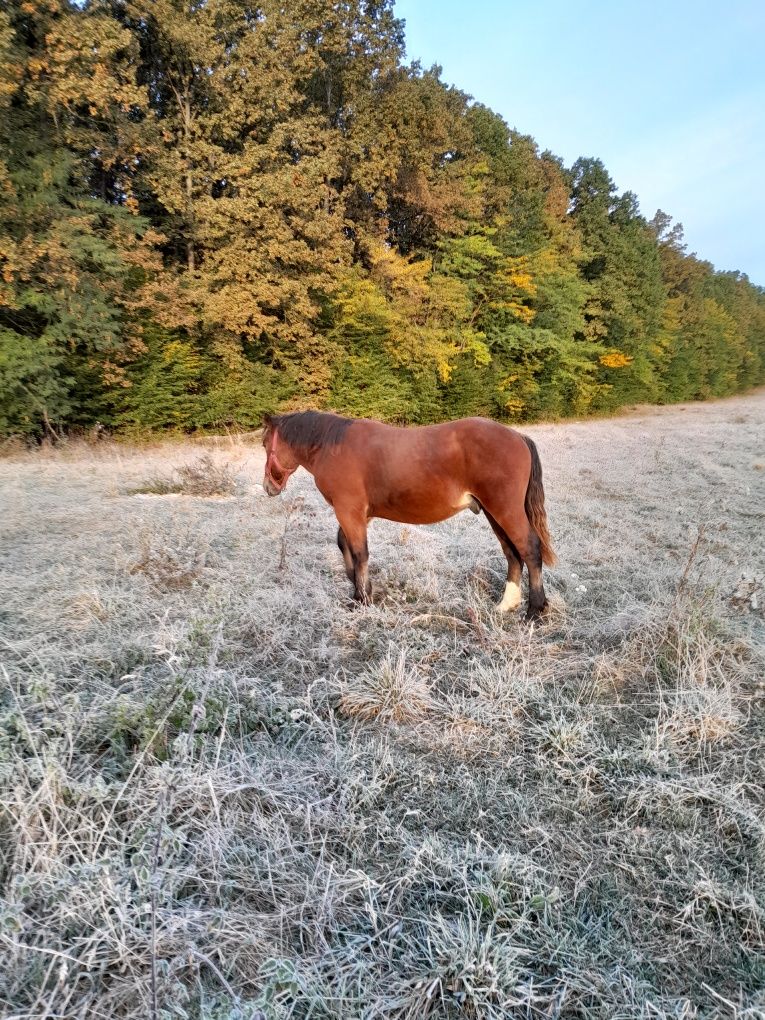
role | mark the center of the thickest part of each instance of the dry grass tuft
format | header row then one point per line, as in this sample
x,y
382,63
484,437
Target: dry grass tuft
x,y
704,704
170,561
85,608
391,691
203,477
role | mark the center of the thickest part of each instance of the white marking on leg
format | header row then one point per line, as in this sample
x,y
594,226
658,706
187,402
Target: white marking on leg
x,y
511,598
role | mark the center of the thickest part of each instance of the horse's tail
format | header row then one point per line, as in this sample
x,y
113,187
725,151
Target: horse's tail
x,y
535,504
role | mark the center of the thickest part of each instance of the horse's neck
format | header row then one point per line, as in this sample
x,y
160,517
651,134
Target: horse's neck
x,y
305,459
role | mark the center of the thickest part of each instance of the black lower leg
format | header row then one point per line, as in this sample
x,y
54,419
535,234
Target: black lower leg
x,y
537,597
345,549
362,587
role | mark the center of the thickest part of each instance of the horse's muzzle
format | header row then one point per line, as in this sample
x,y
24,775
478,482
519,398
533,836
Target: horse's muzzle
x,y
271,488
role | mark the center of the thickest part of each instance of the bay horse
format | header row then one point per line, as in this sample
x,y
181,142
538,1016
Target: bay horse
x,y
420,475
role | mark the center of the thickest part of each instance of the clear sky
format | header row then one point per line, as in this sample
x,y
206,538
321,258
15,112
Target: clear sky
x,y
670,95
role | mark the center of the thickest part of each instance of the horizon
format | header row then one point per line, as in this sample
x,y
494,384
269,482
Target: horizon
x,y
700,158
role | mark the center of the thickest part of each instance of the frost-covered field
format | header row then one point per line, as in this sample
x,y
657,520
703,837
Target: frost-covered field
x,y
225,792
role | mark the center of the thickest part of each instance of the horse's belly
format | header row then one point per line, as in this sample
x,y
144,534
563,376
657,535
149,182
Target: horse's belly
x,y
426,508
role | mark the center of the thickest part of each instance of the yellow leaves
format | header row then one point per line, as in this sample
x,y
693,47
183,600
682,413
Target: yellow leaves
x,y
615,359
420,316
517,273
444,369
513,402
8,260
398,275
672,314
524,313
514,405
362,305
523,281
177,350
512,285
36,66
8,88
521,312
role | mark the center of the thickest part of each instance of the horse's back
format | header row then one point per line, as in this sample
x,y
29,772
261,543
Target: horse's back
x,y
426,473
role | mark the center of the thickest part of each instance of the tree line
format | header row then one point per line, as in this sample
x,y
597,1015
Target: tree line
x,y
209,210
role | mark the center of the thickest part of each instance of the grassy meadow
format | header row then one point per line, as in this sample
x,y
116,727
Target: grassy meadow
x,y
227,793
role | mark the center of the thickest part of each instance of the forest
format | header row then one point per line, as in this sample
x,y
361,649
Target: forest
x,y
210,210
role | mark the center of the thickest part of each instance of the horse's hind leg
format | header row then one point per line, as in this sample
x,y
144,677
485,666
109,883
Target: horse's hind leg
x,y
345,549
512,596
526,542
354,532
533,559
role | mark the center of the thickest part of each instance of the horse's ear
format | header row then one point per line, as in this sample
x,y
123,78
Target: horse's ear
x,y
266,428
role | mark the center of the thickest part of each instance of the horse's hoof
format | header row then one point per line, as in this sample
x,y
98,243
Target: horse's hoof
x,y
536,613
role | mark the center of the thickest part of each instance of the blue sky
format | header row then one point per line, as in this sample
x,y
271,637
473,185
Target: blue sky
x,y
671,96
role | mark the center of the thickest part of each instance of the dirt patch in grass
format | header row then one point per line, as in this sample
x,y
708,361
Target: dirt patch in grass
x,y
225,792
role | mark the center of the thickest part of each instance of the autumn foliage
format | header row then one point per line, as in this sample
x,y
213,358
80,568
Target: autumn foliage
x,y
212,210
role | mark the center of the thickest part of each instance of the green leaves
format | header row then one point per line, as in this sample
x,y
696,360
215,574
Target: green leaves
x,y
33,384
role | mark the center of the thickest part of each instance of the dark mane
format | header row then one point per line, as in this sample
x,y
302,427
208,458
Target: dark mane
x,y
308,431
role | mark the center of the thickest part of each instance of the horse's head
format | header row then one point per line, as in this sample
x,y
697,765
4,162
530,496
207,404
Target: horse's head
x,y
281,462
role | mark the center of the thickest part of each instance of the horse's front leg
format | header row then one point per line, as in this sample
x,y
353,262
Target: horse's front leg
x,y
352,539
345,549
